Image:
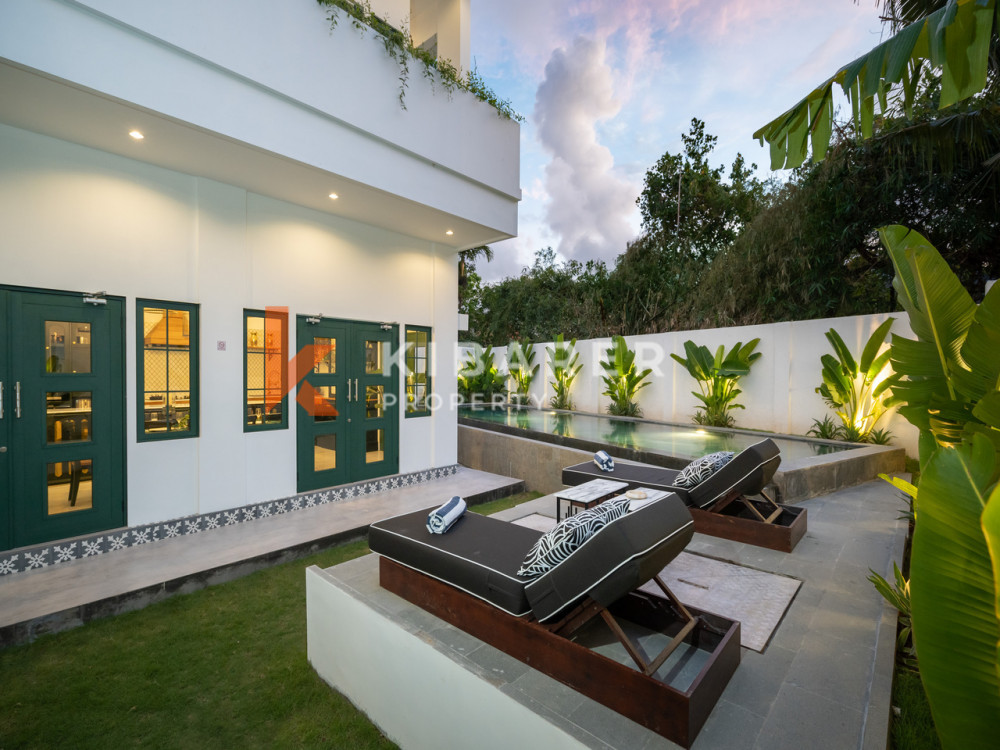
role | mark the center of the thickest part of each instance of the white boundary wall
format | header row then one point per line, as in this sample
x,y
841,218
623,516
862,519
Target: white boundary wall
x,y
779,393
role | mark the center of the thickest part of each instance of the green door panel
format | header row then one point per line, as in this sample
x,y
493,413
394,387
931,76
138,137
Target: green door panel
x,y
347,415
65,430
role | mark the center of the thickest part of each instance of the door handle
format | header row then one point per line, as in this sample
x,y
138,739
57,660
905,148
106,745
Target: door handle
x,y
1,399
356,394
348,390
17,399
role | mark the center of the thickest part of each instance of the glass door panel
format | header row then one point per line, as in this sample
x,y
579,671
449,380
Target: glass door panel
x,y
347,418
68,429
321,422
374,442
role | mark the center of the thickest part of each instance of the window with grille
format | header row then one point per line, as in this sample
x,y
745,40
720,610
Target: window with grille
x,y
167,363
418,378
265,350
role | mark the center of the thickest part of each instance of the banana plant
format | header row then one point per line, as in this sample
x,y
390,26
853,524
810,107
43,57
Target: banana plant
x,y
950,390
478,378
855,389
621,380
563,362
520,358
717,378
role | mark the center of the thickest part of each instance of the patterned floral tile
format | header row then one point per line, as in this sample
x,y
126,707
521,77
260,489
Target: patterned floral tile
x,y
10,564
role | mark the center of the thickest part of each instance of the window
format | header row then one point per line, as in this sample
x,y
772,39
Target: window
x,y
265,347
167,364
418,378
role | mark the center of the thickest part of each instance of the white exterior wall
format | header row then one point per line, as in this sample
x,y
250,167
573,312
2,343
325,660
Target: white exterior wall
x,y
79,219
323,97
779,393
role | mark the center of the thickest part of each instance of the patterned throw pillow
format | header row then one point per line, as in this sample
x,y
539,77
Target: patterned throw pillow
x,y
569,535
702,468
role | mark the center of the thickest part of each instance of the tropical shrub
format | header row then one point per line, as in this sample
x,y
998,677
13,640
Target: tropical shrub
x,y
478,379
563,362
949,388
621,381
717,378
520,358
825,429
898,595
855,388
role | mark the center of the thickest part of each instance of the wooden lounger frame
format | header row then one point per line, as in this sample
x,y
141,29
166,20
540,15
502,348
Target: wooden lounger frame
x,y
637,694
780,529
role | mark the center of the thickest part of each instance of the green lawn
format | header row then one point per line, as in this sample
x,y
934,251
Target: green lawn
x,y
222,667
913,729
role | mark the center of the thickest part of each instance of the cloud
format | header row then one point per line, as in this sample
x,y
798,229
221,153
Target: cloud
x,y
590,205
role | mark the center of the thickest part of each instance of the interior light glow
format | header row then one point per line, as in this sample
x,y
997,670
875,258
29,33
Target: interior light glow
x,y
136,135
449,233
334,196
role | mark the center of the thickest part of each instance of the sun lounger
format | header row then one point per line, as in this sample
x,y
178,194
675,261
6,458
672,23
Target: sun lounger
x,y
732,503
469,577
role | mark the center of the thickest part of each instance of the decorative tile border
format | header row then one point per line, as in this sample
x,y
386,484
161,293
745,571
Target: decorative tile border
x,y
67,550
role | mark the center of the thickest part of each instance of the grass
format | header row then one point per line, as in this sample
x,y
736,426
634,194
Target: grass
x,y
913,729
222,667
495,506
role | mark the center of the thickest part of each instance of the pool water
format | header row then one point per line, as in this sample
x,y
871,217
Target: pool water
x,y
672,440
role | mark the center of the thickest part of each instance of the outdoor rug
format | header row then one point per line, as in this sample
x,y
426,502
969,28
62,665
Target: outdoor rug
x,y
755,598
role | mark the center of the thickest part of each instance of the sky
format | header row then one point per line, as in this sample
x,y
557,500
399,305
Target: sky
x,y
608,86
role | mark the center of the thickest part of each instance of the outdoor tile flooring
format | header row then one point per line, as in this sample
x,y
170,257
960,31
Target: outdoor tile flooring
x,y
823,681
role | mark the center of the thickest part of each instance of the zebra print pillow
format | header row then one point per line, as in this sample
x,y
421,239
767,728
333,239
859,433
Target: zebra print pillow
x,y
569,535
702,468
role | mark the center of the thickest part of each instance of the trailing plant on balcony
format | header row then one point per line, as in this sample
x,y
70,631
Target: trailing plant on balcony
x,y
400,47
563,363
717,378
621,380
520,358
949,389
856,388
478,378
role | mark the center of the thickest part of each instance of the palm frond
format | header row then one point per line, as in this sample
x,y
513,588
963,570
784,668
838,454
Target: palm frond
x,y
955,40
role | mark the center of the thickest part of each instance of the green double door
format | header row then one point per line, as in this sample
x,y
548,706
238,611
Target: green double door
x,y
347,412
62,428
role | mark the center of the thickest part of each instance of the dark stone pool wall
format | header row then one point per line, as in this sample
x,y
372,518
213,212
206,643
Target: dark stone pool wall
x,y
539,458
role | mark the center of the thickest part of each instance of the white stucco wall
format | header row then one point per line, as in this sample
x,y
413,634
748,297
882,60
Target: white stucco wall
x,y
778,395
274,75
78,219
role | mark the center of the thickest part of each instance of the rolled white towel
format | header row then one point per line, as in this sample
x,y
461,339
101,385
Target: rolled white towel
x,y
604,461
443,518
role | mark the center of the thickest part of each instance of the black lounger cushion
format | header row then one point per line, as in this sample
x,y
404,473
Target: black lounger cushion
x,y
750,471
622,555
479,554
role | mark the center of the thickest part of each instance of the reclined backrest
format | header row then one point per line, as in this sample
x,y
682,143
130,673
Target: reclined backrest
x,y
625,554
748,473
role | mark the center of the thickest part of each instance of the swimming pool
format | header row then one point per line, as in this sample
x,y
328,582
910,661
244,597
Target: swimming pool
x,y
678,441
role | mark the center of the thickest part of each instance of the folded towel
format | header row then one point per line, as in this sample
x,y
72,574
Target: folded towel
x,y
443,518
604,461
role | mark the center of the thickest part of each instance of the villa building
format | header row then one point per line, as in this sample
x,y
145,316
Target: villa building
x,y
228,253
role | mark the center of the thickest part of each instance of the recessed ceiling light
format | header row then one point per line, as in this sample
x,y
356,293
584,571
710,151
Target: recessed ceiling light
x,y
449,233
334,196
136,135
